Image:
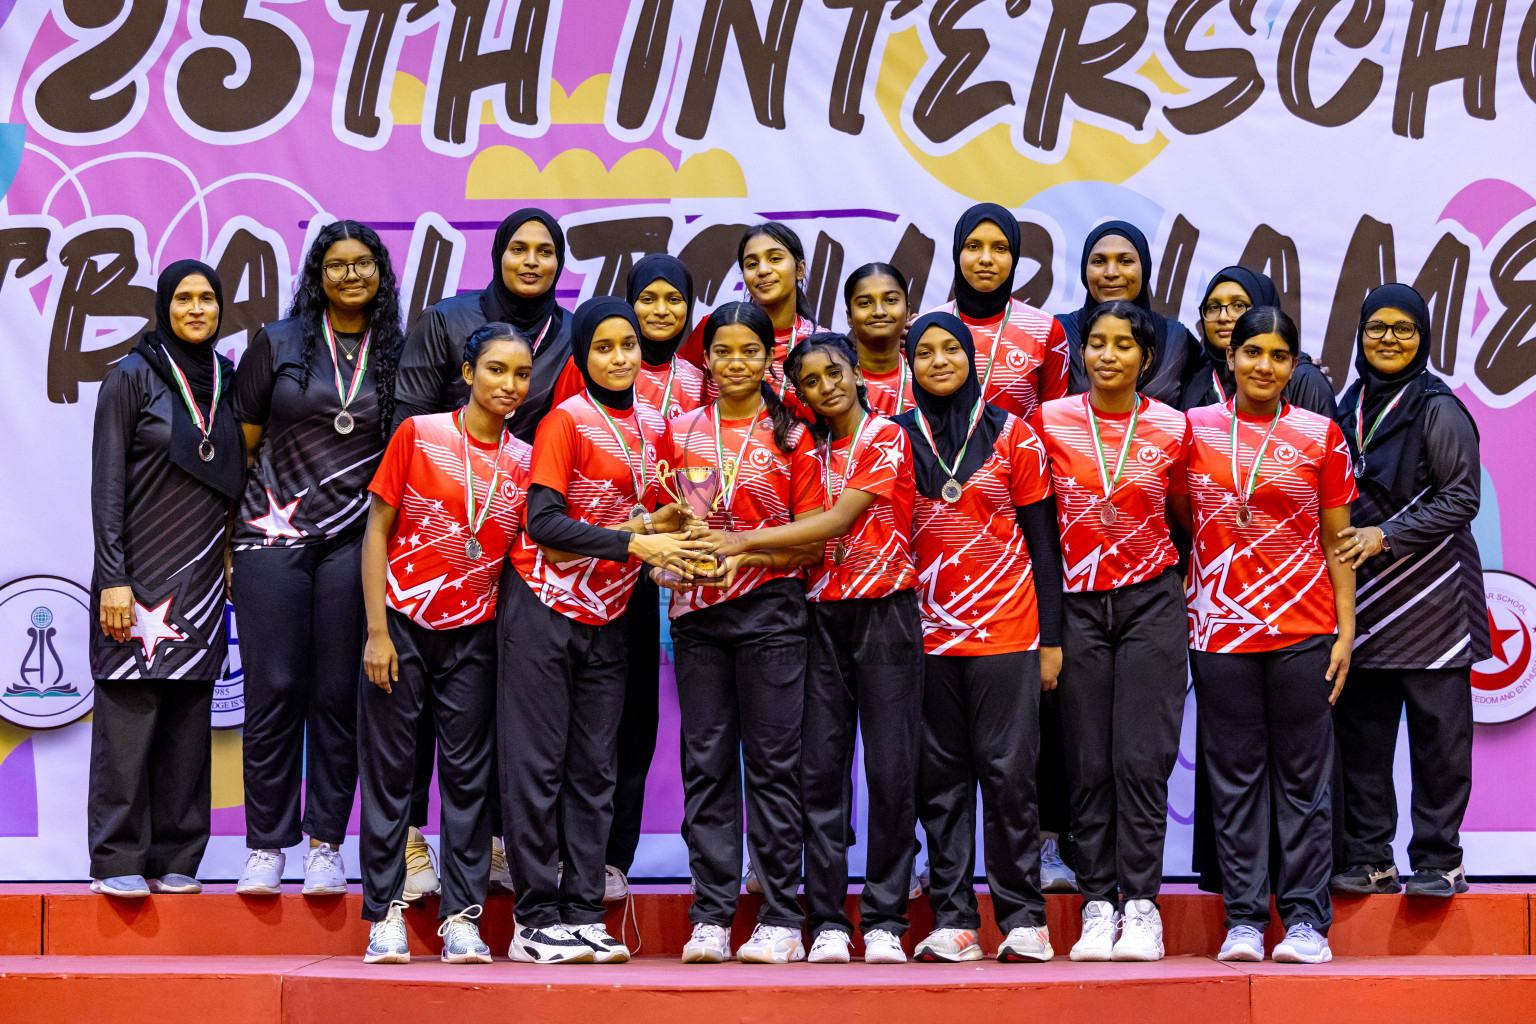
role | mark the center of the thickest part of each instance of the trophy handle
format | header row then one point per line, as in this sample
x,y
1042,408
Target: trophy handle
x,y
664,478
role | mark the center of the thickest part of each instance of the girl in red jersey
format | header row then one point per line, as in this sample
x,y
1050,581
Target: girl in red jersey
x,y
739,648
1117,461
876,298
448,499
1272,623
564,650
984,518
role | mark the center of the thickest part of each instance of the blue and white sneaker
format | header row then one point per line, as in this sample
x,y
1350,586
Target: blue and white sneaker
x,y
387,941
1244,944
553,944
177,884
461,938
263,873
1303,945
129,887
324,872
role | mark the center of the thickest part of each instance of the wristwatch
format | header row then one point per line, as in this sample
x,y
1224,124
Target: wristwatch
x,y
1386,542
650,525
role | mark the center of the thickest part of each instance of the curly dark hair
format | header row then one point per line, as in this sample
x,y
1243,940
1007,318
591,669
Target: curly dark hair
x,y
384,320
834,344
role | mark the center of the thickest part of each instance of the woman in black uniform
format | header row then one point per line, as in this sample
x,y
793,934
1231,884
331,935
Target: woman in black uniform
x,y
307,397
1420,606
167,463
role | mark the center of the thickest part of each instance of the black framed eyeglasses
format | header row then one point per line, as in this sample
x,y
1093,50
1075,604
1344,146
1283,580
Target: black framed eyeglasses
x,y
1403,330
1237,307
363,268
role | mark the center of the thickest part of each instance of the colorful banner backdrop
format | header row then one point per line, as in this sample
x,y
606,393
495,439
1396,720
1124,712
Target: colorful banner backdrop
x,y
1335,143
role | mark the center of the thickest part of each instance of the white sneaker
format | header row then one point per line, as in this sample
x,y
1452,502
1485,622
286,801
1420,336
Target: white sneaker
x,y
501,875
830,947
553,944
615,885
709,944
1141,932
1101,923
1244,944
461,938
387,941
751,882
883,947
1026,944
263,874
772,944
420,875
1055,876
1302,944
948,946
605,948
324,872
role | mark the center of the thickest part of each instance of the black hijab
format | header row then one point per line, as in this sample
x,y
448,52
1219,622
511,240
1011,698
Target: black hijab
x,y
498,302
949,415
984,305
584,323
1393,453
1261,292
1131,233
673,271
225,472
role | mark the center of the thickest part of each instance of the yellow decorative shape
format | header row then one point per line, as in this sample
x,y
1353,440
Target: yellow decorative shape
x,y
989,167
406,99
228,768
1154,72
11,737
584,106
505,172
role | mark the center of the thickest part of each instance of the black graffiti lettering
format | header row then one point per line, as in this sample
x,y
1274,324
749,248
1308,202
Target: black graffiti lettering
x,y
1443,283
616,242
642,69
382,18
710,257
764,61
1071,67
1269,252
1370,261
26,249
947,106
1036,246
1426,64
1296,48
276,69
1525,53
914,258
465,69
1508,356
864,18
1244,84
248,259
99,266
431,282
1167,293
824,277
74,97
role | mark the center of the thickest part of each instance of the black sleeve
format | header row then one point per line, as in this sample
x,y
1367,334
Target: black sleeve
x,y
253,382
1043,538
117,410
1455,481
1310,390
1195,373
426,361
550,525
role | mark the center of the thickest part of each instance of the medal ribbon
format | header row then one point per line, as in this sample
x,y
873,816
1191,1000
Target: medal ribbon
x,y
922,424
730,484
799,333
997,341
637,476
1245,495
347,394
666,395
1221,396
203,426
853,446
478,520
1361,442
1125,448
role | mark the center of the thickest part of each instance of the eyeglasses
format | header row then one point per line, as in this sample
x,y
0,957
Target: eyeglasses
x,y
1214,310
1402,330
364,268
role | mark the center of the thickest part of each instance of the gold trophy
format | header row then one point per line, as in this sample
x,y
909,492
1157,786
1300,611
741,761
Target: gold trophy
x,y
701,488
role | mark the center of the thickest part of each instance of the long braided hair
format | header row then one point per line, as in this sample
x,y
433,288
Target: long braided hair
x,y
384,320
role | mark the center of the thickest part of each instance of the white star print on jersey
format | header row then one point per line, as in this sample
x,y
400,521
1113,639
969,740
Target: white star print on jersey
x,y
278,522
150,627
877,549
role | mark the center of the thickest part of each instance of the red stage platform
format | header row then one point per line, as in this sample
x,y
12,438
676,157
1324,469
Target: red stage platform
x,y
68,955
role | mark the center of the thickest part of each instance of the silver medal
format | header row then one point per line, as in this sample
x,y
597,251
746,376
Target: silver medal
x,y
472,550
1108,515
637,512
1360,466
205,450
1244,515
344,422
950,492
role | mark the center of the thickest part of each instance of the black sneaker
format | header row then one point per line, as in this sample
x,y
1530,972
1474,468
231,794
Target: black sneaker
x,y
1433,882
1366,880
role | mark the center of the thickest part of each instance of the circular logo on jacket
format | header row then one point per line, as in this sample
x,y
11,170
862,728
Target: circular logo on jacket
x,y
229,691
1504,686
1148,454
1016,359
1285,452
45,642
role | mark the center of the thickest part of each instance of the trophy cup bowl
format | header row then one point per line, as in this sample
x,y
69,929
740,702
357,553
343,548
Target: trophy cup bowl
x,y
701,488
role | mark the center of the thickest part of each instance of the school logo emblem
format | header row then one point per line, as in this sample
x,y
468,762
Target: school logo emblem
x,y
45,637
1504,686
1148,454
1285,452
1016,359
229,691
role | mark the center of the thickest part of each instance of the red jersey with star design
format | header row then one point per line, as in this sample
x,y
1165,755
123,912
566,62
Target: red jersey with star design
x,y
890,394
784,339
1263,586
577,454
1137,547
1026,350
770,487
975,579
431,578
679,386
877,549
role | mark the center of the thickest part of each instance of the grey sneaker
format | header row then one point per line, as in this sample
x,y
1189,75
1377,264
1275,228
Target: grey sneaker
x,y
461,938
1026,944
263,874
324,873
387,941
615,885
176,883
1302,945
1244,944
130,887
1055,876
